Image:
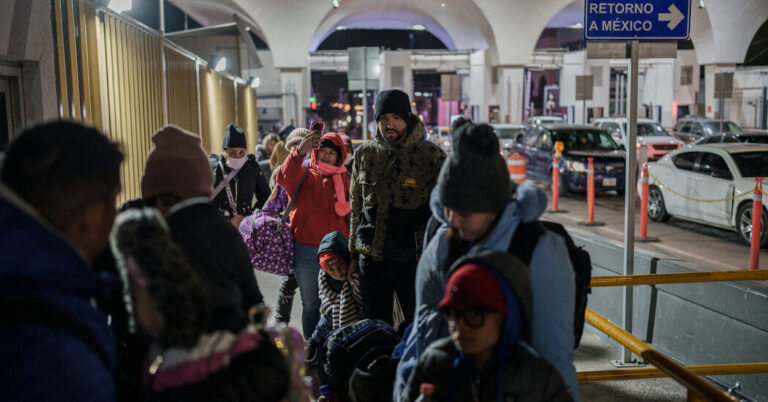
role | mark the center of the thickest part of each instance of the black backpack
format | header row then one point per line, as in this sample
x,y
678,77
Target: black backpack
x,y
522,245
343,349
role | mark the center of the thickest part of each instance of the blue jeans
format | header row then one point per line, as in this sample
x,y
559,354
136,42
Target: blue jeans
x,y
306,267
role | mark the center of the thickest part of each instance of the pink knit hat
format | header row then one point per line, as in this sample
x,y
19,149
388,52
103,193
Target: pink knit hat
x,y
176,165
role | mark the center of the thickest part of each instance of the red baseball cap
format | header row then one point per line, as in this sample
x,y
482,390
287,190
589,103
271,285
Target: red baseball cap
x,y
328,259
475,286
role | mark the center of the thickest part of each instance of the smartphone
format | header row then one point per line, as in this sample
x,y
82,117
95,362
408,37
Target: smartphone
x,y
318,126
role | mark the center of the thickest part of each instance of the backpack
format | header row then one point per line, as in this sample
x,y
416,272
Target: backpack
x,y
344,349
522,245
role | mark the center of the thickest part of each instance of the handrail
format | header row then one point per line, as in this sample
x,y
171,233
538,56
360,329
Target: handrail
x,y
652,372
692,382
688,277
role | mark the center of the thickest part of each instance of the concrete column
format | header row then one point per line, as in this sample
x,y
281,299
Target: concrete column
x,y
294,83
712,104
480,84
510,93
396,72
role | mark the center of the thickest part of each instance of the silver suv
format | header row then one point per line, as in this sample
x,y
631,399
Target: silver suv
x,y
691,128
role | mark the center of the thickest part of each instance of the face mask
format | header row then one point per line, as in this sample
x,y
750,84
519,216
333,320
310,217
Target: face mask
x,y
235,163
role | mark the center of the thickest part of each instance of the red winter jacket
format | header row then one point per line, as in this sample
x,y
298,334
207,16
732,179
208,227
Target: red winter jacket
x,y
313,214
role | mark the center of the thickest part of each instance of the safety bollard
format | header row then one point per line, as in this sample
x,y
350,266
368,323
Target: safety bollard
x,y
757,223
591,196
555,187
516,168
644,208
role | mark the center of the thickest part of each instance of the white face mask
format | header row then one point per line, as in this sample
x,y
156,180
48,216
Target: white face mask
x,y
236,163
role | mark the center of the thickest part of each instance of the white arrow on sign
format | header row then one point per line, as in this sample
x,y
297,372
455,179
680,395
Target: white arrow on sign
x,y
674,16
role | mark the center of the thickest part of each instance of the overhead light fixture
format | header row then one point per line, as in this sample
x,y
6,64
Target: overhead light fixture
x,y
120,6
577,25
221,65
254,82
341,28
418,27
335,3
442,4
248,29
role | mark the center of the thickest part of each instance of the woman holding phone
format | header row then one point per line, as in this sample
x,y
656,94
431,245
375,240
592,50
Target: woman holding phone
x,y
321,207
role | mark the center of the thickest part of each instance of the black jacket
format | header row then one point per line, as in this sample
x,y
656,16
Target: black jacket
x,y
219,256
247,183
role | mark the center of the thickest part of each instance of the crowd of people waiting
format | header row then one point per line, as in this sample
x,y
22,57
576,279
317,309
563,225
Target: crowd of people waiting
x,y
160,302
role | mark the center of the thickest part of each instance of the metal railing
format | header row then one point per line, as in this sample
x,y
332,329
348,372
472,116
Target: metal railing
x,y
688,376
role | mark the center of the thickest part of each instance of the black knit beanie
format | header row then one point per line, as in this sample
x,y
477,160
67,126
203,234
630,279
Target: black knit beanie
x,y
234,137
475,177
393,101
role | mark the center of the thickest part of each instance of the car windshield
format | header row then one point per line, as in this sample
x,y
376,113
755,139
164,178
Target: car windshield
x,y
752,164
506,133
714,127
586,140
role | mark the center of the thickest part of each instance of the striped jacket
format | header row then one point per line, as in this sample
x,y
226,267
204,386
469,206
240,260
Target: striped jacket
x,y
343,307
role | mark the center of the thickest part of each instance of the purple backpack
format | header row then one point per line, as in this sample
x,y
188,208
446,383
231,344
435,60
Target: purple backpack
x,y
269,242
269,238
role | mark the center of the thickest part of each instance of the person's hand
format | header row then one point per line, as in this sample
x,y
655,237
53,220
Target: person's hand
x,y
235,220
352,268
312,140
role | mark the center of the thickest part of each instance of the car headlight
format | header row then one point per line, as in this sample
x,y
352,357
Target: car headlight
x,y
575,166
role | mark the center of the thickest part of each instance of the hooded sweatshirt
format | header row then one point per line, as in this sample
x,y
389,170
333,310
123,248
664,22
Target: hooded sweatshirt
x,y
552,281
319,207
40,361
516,372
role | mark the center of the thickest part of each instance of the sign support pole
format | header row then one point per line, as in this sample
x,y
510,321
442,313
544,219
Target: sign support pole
x,y
629,196
722,101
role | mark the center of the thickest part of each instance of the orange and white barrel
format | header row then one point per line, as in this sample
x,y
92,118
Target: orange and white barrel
x,y
516,167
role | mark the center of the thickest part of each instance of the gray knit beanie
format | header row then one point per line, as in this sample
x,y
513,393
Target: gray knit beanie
x,y
475,177
294,139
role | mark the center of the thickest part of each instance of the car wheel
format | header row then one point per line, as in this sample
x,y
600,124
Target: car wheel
x,y
657,211
744,225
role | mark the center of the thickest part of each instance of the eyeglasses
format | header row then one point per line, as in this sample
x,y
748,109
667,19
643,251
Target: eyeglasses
x,y
473,317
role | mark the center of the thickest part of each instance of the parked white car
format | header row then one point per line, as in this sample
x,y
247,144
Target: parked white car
x,y
657,140
684,179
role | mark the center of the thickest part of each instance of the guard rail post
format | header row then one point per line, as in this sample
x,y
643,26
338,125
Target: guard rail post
x,y
643,238
555,183
757,220
591,195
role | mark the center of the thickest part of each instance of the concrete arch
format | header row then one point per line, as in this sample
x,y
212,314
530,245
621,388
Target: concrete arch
x,y
216,13
722,31
387,17
516,31
460,24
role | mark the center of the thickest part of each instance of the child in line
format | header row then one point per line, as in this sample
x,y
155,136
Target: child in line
x,y
340,302
488,306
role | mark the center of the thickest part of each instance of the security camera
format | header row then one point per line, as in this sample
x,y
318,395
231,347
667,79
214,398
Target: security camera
x,y
701,4
335,3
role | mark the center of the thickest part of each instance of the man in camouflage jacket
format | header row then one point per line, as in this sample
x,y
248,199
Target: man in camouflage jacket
x,y
392,177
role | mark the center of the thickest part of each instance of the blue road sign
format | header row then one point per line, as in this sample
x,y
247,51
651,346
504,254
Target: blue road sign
x,y
637,19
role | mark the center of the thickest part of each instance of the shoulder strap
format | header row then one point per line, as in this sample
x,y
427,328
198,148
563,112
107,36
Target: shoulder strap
x,y
432,225
224,182
36,311
293,198
524,240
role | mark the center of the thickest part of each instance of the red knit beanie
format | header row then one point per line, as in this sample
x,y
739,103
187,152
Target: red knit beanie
x,y
177,165
328,259
474,286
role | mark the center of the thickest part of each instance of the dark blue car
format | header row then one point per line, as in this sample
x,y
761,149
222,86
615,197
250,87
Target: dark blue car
x,y
581,142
